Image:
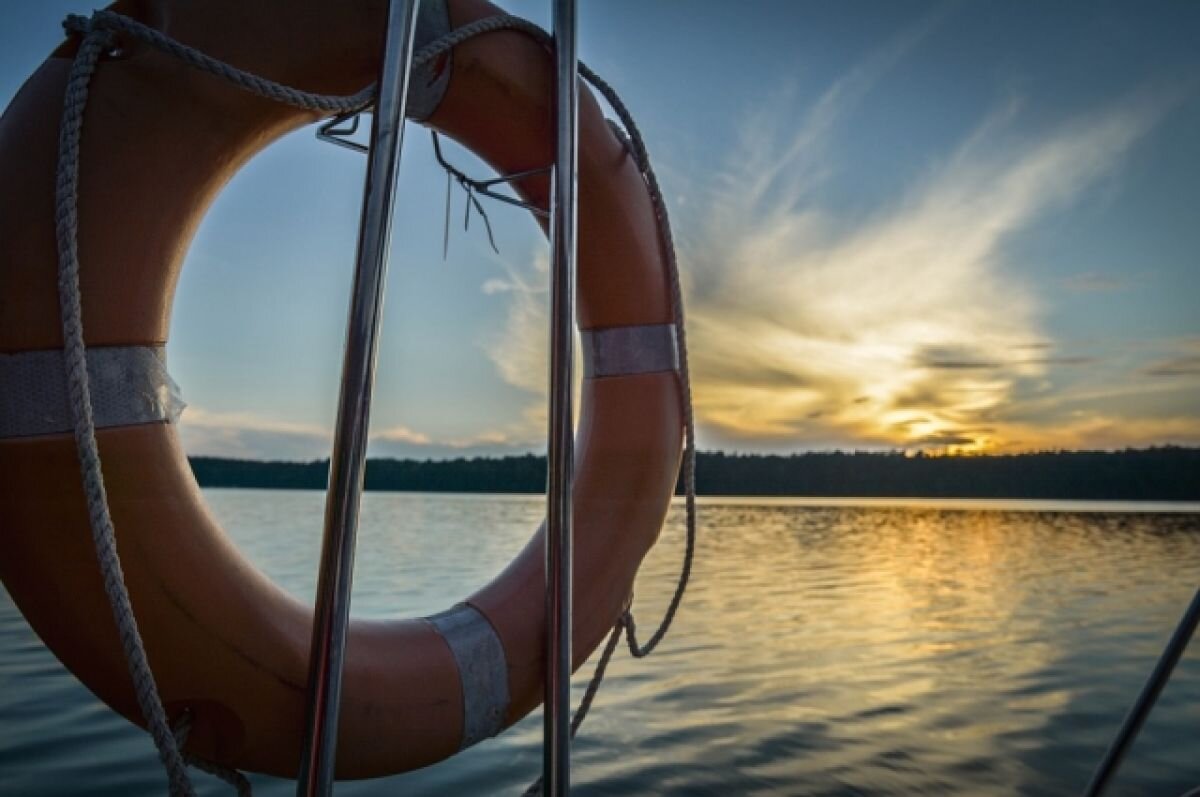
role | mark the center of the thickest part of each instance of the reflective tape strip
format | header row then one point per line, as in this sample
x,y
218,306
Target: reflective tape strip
x,y
482,668
623,351
427,84
129,385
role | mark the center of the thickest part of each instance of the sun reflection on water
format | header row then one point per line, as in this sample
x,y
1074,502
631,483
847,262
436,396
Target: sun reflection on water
x,y
822,650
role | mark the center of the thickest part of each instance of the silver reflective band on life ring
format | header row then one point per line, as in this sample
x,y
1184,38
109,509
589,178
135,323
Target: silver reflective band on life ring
x,y
625,351
427,84
129,385
482,669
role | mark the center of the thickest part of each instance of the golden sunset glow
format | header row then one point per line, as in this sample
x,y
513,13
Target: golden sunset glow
x,y
905,328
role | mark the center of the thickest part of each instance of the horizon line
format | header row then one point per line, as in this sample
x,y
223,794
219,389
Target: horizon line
x,y
890,452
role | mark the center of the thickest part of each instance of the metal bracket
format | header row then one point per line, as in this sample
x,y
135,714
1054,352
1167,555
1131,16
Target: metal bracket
x,y
485,186
339,129
473,187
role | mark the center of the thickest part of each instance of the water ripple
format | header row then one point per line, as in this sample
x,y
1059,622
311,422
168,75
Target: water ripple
x,y
848,650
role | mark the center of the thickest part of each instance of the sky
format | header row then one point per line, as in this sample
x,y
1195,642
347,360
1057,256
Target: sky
x,y
952,227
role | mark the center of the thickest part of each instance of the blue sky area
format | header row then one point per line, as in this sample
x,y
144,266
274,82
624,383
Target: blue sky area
x,y
964,227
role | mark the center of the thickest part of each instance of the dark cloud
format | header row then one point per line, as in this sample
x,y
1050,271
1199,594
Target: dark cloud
x,y
1094,282
1185,365
1063,360
904,426
963,365
924,396
941,440
953,358
758,375
961,358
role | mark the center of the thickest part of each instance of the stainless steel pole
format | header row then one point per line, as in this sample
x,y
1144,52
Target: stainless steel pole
x,y
1145,700
332,616
556,752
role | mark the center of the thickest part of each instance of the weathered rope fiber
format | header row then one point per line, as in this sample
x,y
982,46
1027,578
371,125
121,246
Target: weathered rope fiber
x,y
181,727
66,219
98,36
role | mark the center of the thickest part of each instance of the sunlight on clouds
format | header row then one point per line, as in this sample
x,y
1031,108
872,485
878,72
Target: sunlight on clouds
x,y
764,394
1094,430
251,436
905,330
401,434
521,352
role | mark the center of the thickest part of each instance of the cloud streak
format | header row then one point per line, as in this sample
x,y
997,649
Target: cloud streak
x,y
520,352
1183,362
907,328
249,436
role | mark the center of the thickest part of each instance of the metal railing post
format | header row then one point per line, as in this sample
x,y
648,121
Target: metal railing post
x,y
332,614
556,754
1145,700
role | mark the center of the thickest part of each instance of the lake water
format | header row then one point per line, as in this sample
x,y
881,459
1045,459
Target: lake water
x,y
825,648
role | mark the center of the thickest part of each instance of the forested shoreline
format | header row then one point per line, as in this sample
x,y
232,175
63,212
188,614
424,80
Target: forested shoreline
x,y
1168,473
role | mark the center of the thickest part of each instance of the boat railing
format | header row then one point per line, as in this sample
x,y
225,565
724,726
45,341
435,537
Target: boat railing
x,y
350,436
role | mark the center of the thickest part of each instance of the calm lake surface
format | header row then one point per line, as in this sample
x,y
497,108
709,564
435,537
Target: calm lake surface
x,y
825,648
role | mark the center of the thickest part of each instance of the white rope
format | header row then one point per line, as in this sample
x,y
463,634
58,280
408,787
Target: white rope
x,y
636,144
181,728
98,36
67,228
685,375
113,23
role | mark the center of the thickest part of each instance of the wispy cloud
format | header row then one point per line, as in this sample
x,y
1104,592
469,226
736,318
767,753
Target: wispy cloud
x,y
1102,430
251,436
520,351
907,329
788,169
1183,362
1093,282
401,434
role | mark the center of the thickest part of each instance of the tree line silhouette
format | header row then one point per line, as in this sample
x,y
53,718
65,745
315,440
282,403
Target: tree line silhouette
x,y
1168,473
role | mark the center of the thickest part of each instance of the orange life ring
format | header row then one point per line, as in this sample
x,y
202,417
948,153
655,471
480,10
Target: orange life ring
x,y
159,142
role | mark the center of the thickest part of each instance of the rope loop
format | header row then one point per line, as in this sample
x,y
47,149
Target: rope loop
x,y
66,192
83,27
113,23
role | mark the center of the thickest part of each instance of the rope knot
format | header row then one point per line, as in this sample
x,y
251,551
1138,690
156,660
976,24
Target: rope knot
x,y
92,27
77,24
